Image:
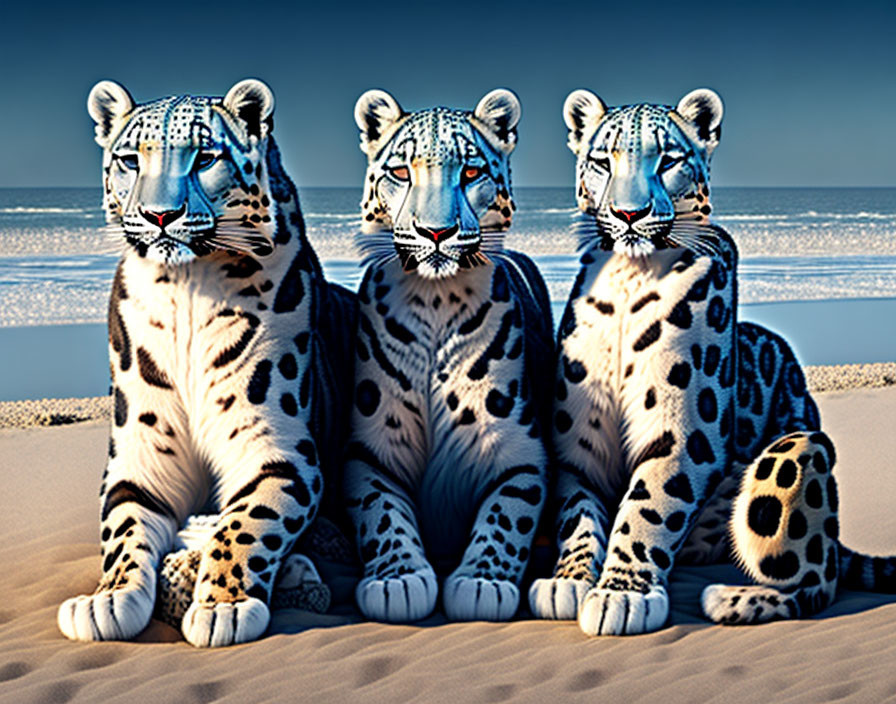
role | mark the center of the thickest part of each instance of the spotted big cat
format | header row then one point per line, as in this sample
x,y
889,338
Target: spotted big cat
x,y
229,356
675,425
446,468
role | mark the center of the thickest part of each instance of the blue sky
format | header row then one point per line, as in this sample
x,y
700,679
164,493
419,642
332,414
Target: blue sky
x,y
809,88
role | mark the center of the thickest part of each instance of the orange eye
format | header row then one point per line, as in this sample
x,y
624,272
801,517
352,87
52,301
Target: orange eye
x,y
471,173
401,173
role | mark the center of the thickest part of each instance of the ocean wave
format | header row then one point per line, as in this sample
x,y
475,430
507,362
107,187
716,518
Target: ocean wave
x,y
809,214
20,209
334,216
549,211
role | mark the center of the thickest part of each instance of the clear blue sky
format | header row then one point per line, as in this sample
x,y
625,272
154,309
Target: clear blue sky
x,y
809,88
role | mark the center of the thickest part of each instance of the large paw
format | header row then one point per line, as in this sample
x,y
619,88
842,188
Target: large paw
x,y
399,599
478,599
606,612
558,598
226,623
754,604
118,614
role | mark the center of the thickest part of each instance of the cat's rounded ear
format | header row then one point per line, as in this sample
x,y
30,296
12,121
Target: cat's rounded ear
x,y
107,103
376,113
582,112
252,101
500,111
702,110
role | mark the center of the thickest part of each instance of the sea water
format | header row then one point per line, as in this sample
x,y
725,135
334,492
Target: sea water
x,y
796,245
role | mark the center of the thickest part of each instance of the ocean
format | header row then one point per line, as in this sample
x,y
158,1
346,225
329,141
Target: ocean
x,y
796,245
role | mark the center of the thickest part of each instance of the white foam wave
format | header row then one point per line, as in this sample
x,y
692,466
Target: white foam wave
x,y
334,216
19,209
809,214
549,211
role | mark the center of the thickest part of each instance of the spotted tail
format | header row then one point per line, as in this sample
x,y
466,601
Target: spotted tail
x,y
867,573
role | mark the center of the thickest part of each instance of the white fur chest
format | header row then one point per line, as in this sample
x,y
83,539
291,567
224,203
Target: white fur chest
x,y
434,351
636,323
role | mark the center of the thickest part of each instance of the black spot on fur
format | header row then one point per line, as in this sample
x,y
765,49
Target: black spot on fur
x,y
121,407
148,419
243,268
399,331
814,550
287,366
648,337
288,404
781,566
660,558
764,468
814,498
699,289
699,449
712,358
495,349
797,526
767,362
474,322
257,389
231,353
786,474
258,564
661,447
498,404
149,371
675,521
764,515
574,370
260,512
306,449
367,397
644,300
467,417
124,492
651,516
706,405
832,527
639,492
301,341
650,398
680,375
823,440
681,317
679,487
292,288
118,334
833,497
524,524
530,495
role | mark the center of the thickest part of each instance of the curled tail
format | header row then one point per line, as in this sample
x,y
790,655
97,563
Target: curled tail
x,y
867,573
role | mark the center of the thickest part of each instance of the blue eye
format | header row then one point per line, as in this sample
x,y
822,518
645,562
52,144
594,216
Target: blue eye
x,y
204,160
129,161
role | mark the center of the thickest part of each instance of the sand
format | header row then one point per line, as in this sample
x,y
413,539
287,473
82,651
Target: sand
x,y
50,551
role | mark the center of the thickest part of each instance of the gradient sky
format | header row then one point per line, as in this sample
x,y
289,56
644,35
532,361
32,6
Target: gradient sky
x,y
809,88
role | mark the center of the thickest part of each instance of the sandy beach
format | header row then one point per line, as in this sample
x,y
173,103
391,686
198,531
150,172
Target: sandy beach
x,y
51,551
